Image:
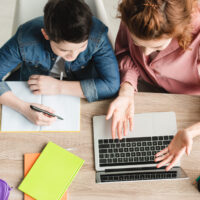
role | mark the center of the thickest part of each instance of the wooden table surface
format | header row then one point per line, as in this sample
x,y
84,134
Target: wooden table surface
x,y
187,109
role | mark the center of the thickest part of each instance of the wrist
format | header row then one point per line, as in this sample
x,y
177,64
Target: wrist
x,y
10,100
193,130
187,133
22,107
59,87
127,90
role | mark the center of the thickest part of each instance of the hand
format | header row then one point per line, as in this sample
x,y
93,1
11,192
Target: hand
x,y
181,143
40,84
38,118
122,110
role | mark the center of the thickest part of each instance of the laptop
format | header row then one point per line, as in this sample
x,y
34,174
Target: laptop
x,y
132,158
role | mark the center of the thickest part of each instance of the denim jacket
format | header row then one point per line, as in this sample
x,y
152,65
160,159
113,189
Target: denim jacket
x,y
29,48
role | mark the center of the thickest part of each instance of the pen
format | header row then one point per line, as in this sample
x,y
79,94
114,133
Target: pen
x,y
44,111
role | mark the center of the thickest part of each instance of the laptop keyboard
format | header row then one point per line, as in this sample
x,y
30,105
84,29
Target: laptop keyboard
x,y
138,176
131,151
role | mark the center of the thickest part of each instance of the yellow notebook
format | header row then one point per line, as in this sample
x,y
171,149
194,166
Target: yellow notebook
x,y
51,174
29,160
68,107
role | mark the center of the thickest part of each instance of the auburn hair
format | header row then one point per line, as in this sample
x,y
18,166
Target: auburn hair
x,y
154,19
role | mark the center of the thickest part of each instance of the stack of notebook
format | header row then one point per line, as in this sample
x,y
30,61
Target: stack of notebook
x,y
49,174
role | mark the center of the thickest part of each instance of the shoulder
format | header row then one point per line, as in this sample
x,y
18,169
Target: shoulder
x,y
98,30
30,32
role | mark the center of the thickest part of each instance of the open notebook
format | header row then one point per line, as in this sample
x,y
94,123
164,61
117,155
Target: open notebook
x,y
67,107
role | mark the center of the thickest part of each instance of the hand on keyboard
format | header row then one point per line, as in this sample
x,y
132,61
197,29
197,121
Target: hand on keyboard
x,y
181,143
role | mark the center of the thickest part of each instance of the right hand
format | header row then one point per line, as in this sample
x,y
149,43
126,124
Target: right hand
x,y
180,144
38,118
122,111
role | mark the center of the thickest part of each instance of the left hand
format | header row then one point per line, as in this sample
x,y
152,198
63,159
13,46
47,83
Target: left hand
x,y
40,84
181,143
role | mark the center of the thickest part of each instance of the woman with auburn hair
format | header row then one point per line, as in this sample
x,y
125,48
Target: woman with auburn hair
x,y
158,42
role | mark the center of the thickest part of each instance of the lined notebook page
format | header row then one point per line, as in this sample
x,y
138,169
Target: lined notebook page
x,y
67,107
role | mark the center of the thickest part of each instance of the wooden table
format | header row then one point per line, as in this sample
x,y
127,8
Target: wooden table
x,y
187,108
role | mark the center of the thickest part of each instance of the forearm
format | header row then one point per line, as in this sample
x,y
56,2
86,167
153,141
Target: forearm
x,y
193,130
10,100
71,88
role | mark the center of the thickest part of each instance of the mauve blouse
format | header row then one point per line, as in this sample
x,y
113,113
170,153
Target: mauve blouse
x,y
173,69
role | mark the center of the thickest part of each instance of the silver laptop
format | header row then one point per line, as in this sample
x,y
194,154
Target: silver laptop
x,y
132,158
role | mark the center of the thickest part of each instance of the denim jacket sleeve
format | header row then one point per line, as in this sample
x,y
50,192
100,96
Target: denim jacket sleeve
x,y
10,58
107,85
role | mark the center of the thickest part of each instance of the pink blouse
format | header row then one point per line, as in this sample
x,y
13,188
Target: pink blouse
x,y
173,69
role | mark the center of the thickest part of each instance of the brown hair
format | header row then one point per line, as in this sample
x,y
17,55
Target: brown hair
x,y
153,19
67,20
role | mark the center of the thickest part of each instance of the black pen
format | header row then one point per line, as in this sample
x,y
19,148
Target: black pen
x,y
44,111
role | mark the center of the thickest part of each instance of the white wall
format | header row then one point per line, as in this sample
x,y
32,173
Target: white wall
x,y
26,10
107,12
92,6
7,10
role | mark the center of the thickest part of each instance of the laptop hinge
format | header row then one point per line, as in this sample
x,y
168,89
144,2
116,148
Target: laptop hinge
x,y
134,169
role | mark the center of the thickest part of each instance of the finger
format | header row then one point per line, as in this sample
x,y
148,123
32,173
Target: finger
x,y
47,119
162,157
164,151
131,123
114,126
36,92
42,123
35,76
119,130
32,82
166,161
33,87
44,120
48,115
175,159
48,109
125,127
110,112
188,149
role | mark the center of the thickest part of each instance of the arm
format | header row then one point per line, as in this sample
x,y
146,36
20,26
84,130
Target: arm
x,y
48,85
10,100
128,70
122,108
108,81
105,86
181,143
122,111
10,58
